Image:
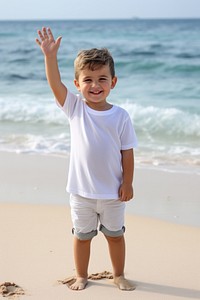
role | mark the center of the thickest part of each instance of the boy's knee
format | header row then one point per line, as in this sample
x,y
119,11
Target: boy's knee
x,y
114,240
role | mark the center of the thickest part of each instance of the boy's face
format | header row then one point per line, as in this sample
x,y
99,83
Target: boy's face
x,y
95,85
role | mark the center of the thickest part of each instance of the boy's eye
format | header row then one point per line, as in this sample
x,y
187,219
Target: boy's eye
x,y
87,80
103,79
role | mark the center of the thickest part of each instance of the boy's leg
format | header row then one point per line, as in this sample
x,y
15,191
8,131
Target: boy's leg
x,y
85,222
117,255
112,226
81,257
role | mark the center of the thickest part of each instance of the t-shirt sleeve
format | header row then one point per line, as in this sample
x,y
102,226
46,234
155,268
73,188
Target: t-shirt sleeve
x,y
69,104
128,135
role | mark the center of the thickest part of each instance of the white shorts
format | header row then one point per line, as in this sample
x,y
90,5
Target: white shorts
x,y
88,213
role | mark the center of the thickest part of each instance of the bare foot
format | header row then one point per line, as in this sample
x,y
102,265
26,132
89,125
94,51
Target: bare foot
x,y
123,284
79,284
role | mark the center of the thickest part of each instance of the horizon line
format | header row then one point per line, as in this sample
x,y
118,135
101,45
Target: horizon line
x,y
134,18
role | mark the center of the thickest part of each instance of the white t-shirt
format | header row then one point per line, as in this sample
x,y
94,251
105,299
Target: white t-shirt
x,y
97,137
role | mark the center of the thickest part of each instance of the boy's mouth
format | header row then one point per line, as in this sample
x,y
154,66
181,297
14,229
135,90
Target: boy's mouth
x,y
95,92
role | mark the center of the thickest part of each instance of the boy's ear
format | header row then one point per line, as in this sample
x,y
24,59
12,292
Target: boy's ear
x,y
114,81
77,84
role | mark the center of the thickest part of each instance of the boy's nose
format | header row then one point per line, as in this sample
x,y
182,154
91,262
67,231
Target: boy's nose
x,y
95,83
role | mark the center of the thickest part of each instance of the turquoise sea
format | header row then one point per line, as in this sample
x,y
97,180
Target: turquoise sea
x,y
158,69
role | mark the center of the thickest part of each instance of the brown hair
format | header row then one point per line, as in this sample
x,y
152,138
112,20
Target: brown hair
x,y
93,59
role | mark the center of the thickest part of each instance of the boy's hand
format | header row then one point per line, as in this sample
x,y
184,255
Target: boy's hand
x,y
47,43
125,192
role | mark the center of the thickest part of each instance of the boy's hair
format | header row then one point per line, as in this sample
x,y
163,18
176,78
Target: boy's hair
x,y
93,59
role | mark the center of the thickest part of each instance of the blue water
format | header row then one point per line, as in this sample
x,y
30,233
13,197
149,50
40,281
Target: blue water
x,y
158,69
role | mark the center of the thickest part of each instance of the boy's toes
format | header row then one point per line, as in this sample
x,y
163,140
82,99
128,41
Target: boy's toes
x,y
79,284
123,284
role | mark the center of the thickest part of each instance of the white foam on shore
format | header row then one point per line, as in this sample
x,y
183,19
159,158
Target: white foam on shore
x,y
168,137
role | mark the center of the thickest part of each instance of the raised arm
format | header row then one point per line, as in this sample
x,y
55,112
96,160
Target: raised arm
x,y
50,47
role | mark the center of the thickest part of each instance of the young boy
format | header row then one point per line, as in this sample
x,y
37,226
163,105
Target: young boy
x,y
101,161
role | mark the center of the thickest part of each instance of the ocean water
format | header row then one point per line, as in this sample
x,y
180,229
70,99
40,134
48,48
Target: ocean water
x,y
158,68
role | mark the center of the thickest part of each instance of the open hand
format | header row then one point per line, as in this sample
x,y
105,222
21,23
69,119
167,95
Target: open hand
x,y
46,41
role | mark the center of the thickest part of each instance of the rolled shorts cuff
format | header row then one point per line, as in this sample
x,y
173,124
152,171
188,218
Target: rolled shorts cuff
x,y
84,236
110,233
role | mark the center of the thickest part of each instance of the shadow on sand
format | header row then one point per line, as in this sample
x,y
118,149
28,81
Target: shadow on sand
x,y
167,290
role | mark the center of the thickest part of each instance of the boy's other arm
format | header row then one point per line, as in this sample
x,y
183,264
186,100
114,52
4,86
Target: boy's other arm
x,y
50,47
126,188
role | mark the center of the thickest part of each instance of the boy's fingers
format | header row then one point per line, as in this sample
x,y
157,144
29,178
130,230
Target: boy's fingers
x,y
38,42
44,32
50,34
120,193
58,41
122,198
40,35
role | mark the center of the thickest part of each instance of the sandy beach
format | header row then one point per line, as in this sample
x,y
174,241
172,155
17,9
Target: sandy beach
x,y
162,236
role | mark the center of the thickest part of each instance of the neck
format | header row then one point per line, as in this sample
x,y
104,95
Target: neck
x,y
99,106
